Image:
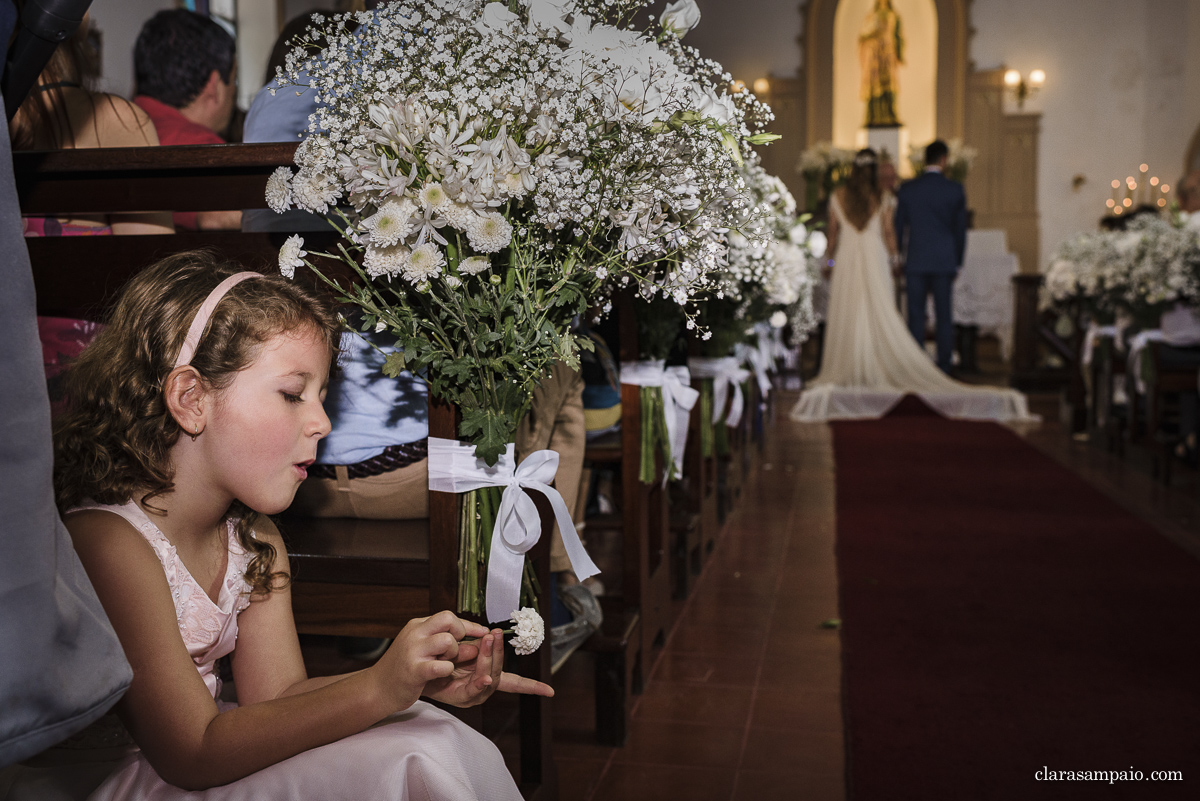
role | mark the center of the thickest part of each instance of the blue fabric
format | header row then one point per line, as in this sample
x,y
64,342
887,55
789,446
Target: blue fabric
x,y
279,117
600,396
368,410
918,286
61,665
931,224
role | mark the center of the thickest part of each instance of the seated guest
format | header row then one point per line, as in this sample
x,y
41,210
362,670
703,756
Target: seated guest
x,y
62,113
186,81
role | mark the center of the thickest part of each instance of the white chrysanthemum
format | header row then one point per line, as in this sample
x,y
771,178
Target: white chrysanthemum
x,y
314,192
392,223
474,265
291,255
490,232
528,631
433,196
453,281
279,190
459,215
425,262
779,319
380,261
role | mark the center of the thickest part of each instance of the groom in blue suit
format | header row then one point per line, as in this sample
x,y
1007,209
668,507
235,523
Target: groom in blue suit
x,y
931,232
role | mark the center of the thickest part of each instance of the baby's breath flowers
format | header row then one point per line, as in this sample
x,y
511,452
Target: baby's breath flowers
x,y
772,266
500,166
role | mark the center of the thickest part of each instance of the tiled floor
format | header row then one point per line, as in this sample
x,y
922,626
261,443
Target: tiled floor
x,y
744,700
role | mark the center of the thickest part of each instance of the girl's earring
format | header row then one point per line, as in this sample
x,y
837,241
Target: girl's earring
x,y
193,435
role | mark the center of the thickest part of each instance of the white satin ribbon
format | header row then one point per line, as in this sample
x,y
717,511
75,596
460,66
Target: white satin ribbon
x,y
778,349
757,361
726,374
453,467
678,399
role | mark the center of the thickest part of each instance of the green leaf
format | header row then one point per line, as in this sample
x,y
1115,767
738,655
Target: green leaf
x,y
393,365
490,431
762,138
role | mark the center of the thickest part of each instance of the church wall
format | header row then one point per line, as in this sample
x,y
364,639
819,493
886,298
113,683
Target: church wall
x,y
751,38
119,22
1121,89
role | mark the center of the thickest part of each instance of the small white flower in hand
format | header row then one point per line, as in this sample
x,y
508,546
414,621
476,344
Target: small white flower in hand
x,y
291,255
528,631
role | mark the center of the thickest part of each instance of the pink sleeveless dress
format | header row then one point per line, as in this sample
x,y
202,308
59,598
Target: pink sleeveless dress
x,y
419,754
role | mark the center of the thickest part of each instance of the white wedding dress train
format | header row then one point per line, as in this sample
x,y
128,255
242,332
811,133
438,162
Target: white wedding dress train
x,y
870,359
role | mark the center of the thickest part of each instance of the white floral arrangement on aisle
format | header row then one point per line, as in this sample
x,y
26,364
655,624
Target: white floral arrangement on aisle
x,y
822,158
503,165
1152,264
958,160
500,167
772,266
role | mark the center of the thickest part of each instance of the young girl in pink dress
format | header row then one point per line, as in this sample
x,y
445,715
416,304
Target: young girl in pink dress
x,y
193,415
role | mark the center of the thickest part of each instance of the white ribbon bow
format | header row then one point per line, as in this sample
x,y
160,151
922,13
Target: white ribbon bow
x,y
678,399
453,467
758,361
725,373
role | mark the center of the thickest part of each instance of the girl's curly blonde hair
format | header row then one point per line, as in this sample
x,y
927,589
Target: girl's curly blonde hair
x,y
113,443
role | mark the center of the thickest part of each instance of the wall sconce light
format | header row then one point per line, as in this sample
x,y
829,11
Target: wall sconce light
x,y
762,87
1023,87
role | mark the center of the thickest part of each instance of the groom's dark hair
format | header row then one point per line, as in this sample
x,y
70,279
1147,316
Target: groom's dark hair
x,y
935,152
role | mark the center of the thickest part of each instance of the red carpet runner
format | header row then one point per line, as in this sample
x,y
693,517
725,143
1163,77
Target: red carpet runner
x,y
1001,616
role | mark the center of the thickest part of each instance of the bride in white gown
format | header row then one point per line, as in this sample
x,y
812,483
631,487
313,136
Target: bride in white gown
x,y
870,359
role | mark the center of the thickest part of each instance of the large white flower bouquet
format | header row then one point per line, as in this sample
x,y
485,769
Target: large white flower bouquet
x,y
1142,270
824,167
499,166
771,266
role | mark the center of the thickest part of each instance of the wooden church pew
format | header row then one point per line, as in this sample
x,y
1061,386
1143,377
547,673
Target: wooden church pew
x,y
365,578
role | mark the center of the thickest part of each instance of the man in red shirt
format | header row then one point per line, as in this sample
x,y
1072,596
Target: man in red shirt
x,y
186,75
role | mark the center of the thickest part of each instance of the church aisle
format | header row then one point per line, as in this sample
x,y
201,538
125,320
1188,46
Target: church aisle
x,y
1002,617
744,701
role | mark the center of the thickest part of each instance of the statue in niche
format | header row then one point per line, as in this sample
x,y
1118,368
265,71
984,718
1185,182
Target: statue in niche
x,y
880,53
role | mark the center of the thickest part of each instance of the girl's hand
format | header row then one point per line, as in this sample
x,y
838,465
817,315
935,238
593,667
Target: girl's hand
x,y
478,673
425,651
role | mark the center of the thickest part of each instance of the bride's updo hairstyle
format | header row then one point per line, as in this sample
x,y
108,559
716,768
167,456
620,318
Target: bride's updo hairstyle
x,y
861,197
113,443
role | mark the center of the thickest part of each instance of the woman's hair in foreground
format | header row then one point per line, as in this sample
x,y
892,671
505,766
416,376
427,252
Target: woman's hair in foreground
x,y
113,443
862,188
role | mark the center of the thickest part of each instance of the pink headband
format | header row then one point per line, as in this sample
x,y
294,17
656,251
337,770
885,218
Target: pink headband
x,y
200,321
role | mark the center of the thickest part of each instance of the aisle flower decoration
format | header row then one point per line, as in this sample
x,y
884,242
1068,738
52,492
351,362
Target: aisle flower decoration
x,y
499,167
958,160
1142,270
771,270
824,167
